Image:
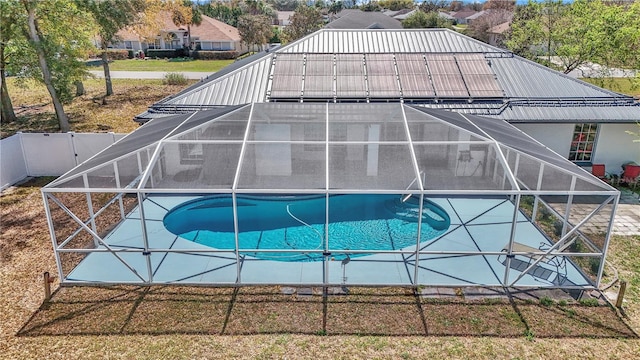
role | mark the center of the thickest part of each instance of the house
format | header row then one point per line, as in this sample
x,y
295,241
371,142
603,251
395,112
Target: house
x,y
497,33
433,68
358,19
211,34
402,15
284,18
471,18
402,149
461,16
446,16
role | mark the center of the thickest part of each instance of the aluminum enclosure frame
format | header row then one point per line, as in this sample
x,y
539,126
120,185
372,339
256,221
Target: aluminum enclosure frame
x,y
509,185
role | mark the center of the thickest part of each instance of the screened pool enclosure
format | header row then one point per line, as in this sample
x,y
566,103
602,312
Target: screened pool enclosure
x,y
330,194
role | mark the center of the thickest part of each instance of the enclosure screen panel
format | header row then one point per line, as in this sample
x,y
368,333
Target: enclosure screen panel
x,y
282,122
445,75
195,165
366,122
370,166
350,80
381,76
283,166
288,72
459,166
480,80
414,77
318,80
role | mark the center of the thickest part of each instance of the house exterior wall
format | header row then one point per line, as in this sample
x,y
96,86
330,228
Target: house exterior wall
x,y
557,137
613,145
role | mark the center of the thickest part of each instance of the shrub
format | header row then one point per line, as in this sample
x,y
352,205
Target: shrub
x,y
589,302
175,79
546,301
214,55
164,53
116,54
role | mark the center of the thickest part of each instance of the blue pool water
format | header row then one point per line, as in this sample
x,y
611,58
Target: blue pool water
x,y
356,222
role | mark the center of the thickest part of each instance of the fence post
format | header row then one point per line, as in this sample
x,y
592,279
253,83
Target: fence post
x,y
623,288
47,286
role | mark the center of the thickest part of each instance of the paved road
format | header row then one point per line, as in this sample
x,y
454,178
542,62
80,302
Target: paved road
x,y
149,74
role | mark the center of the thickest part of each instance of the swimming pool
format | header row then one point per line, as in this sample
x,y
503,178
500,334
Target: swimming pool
x,y
356,222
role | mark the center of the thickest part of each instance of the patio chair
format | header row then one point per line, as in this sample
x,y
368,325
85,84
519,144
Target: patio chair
x,y
598,170
630,175
558,264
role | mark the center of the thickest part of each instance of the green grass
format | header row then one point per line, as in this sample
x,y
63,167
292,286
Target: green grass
x,y
620,85
168,65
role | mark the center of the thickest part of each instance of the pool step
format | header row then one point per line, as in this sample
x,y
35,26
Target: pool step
x,y
409,210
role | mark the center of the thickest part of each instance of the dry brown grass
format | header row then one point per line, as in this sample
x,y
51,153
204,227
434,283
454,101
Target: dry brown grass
x,y
87,113
191,322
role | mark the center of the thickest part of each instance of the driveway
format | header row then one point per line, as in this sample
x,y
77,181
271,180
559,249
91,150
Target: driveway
x,y
149,74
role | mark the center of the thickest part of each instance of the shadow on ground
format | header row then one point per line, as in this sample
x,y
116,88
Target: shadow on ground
x,y
121,310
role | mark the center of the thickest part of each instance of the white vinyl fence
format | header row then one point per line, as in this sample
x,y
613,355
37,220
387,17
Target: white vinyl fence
x,y
47,154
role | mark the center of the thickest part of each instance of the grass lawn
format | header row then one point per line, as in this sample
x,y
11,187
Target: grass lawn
x,y
171,65
620,85
126,322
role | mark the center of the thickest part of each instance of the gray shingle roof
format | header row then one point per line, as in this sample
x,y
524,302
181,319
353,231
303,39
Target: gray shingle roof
x,y
364,20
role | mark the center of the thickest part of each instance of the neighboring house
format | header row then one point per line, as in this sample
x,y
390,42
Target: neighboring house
x,y
399,14
284,18
211,34
433,68
497,33
446,16
358,19
461,16
405,14
471,18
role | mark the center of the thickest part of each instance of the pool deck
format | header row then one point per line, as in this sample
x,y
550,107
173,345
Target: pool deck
x,y
476,225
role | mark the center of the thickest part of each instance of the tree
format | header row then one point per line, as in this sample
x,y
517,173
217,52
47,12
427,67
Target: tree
x,y
456,5
111,16
227,13
284,5
535,29
433,5
396,5
508,5
371,6
9,31
59,35
258,7
479,28
186,14
255,29
578,33
420,20
335,7
304,21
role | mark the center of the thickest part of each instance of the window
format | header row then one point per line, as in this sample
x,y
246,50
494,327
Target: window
x,y
583,142
128,45
155,44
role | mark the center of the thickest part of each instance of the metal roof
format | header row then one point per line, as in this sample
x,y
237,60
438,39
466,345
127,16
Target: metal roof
x,y
398,65
522,78
388,41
